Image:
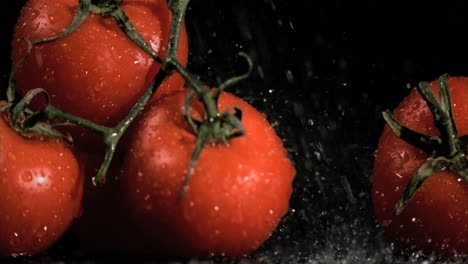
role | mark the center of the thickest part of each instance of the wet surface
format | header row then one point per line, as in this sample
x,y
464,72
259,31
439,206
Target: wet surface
x,y
323,74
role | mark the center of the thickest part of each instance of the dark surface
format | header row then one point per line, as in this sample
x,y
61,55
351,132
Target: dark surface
x,y
324,71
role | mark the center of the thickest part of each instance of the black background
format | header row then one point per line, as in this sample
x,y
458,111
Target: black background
x,y
324,71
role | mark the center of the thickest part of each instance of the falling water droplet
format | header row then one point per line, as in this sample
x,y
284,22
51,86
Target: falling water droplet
x,y
289,76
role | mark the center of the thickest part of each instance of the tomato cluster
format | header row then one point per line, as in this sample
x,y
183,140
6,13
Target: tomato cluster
x,y
239,187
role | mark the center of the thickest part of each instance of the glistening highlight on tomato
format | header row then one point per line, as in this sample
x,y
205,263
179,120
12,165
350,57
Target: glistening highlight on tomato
x,y
435,219
41,186
235,198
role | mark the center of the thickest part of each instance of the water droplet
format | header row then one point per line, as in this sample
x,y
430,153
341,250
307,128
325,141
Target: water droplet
x,y
289,76
27,176
261,74
216,208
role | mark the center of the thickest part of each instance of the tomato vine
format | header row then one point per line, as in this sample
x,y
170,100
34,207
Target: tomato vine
x,y
215,126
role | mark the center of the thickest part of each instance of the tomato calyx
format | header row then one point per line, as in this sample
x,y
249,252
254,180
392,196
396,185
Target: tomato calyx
x,y
446,151
216,127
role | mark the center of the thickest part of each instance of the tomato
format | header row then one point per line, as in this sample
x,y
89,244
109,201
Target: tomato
x,y
96,72
436,219
41,186
236,197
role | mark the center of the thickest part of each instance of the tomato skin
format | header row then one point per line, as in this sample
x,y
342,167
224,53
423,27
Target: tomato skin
x,y
436,219
41,186
96,72
236,196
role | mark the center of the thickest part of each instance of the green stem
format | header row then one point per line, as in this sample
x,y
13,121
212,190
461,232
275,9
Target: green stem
x,y
430,167
84,6
236,79
199,145
194,123
178,9
11,90
53,113
112,138
442,114
129,29
460,166
427,143
204,94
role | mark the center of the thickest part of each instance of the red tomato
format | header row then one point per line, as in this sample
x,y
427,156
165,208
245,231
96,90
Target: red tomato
x,y
96,72
41,186
238,192
436,219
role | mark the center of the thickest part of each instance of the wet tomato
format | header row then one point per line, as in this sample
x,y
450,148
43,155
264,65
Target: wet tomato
x,y
436,218
236,197
41,186
96,72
